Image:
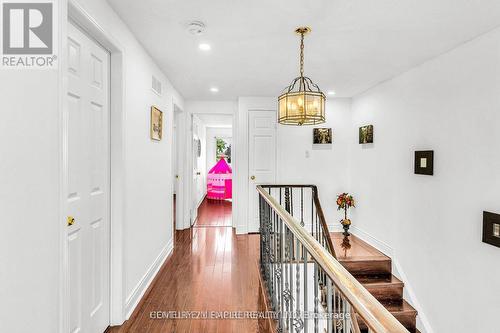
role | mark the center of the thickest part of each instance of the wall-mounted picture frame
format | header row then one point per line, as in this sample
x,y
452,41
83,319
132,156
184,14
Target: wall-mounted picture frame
x,y
424,162
491,228
156,130
366,134
322,136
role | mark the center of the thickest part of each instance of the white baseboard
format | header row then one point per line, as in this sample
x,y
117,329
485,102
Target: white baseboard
x,y
337,227
241,229
143,285
376,243
422,322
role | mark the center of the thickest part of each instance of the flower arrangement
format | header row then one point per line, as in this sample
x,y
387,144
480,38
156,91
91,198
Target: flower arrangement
x,y
345,201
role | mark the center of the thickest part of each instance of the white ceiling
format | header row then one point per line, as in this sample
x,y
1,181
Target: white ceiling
x,y
354,43
216,120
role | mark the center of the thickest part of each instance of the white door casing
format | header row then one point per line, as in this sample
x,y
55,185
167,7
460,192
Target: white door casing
x,y
196,180
261,159
88,183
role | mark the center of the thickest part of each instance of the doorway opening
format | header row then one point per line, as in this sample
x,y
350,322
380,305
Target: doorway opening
x,y
212,170
176,164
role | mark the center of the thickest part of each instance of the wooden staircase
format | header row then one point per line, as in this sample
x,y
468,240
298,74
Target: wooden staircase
x,y
373,270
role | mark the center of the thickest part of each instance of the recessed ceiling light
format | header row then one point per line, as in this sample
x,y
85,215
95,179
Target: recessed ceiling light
x,y
204,47
331,92
214,89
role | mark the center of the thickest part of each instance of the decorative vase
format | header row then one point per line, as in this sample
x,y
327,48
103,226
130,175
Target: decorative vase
x,y
346,230
346,223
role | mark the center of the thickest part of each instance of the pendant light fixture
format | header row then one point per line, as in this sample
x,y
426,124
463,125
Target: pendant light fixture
x,y
302,103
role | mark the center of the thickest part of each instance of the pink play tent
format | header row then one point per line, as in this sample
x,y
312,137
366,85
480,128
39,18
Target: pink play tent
x,y
219,181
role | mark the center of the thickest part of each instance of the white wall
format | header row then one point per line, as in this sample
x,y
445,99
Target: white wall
x,y
29,201
451,105
30,176
326,166
212,133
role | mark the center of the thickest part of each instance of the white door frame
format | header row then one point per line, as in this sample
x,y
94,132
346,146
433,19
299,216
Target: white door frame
x,y
240,138
180,195
77,14
186,132
249,206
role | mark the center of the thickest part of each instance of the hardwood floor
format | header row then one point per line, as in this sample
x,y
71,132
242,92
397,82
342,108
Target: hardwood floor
x,y
214,213
211,269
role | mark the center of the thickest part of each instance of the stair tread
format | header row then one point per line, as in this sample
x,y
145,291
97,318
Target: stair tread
x,y
399,307
372,281
359,250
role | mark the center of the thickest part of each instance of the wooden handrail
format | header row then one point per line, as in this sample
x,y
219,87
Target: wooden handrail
x,y
374,314
322,219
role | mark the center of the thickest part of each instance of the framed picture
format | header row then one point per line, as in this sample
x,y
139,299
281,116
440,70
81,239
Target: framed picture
x,y
366,134
491,228
424,162
156,124
322,136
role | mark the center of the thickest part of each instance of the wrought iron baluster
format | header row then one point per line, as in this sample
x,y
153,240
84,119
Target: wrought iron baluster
x,y
316,299
312,215
329,304
302,206
290,277
282,271
299,323
306,310
287,199
286,291
260,227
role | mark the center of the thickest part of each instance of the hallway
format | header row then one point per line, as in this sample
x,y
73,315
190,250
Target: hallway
x,y
211,269
214,213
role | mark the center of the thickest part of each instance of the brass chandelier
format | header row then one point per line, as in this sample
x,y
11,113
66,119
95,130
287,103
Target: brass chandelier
x,y
302,103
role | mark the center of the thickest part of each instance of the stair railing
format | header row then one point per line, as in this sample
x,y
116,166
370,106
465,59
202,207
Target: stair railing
x,y
309,290
302,202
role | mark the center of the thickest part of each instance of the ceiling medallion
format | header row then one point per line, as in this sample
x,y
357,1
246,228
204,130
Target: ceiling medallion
x,y
302,103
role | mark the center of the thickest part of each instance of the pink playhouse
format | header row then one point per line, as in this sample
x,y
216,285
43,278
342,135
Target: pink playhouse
x,y
220,181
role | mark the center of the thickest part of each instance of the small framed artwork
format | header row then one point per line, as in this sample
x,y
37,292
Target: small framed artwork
x,y
366,134
322,136
491,228
424,162
156,124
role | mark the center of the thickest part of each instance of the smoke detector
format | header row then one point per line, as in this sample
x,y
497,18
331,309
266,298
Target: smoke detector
x,y
196,28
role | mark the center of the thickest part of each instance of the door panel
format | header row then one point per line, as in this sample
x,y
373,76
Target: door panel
x,y
87,182
75,281
261,159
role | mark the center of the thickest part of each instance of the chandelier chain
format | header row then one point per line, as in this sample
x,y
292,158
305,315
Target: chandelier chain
x,y
301,54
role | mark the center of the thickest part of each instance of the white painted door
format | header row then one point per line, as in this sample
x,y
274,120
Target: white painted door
x,y
87,183
261,159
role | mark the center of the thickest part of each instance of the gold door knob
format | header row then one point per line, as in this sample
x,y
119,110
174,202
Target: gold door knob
x,y
71,220
252,178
